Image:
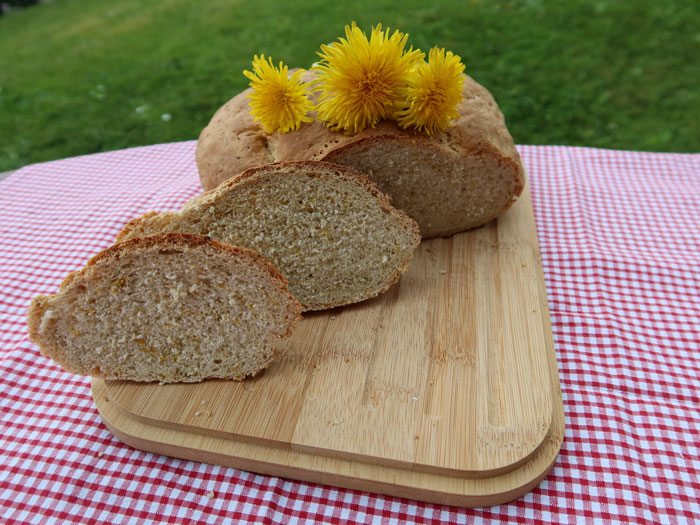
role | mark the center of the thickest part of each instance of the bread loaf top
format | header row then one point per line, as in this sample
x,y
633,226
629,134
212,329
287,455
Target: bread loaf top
x,y
234,142
480,126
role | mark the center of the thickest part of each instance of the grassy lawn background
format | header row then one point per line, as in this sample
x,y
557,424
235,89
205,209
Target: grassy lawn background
x,y
82,76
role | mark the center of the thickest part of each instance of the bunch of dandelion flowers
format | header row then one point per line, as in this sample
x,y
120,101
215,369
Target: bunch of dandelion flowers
x,y
280,102
359,80
434,91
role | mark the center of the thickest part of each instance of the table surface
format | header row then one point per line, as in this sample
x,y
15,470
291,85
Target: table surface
x,y
619,234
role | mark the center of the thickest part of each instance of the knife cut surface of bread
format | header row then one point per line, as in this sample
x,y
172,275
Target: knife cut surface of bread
x,y
448,183
326,228
170,308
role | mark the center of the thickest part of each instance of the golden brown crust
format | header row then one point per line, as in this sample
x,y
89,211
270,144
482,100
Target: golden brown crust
x,y
251,176
480,127
34,315
231,143
129,226
315,141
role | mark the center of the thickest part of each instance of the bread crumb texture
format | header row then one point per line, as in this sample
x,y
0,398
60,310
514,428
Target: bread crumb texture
x,y
444,191
328,229
166,308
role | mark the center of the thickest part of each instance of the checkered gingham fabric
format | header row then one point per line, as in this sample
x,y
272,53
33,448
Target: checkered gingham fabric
x,y
620,239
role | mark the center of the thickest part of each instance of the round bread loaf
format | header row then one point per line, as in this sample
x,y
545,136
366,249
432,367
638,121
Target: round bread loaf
x,y
171,307
447,183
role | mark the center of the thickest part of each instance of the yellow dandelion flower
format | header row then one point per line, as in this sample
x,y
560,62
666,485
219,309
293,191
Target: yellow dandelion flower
x,y
433,93
278,101
359,80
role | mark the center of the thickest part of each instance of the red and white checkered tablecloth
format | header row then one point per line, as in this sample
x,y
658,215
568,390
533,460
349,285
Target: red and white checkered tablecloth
x,y
620,239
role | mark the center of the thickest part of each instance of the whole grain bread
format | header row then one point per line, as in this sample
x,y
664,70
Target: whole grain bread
x,y
326,228
448,183
170,307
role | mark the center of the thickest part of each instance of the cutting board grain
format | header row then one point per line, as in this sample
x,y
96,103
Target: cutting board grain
x,y
450,374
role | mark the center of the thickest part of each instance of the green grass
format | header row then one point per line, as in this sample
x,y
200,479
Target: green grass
x,y
82,76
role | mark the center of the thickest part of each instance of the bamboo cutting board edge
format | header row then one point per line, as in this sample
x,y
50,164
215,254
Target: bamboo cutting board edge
x,y
291,447
445,490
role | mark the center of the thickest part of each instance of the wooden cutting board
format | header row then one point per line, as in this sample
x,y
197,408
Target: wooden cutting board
x,y
435,390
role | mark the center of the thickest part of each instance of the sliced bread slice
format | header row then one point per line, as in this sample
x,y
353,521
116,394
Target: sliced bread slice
x,y
171,307
326,228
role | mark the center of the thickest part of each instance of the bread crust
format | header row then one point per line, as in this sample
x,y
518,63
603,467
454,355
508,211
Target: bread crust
x,y
251,175
231,143
479,131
